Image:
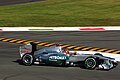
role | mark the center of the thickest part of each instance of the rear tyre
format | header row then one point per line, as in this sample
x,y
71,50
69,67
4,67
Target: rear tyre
x,y
90,63
28,59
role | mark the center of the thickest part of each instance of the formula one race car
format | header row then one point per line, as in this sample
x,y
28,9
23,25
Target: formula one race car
x,y
54,55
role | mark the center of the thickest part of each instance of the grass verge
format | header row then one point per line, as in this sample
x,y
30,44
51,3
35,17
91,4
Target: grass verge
x,y
62,13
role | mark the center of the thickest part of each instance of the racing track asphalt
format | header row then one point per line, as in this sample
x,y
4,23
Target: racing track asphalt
x,y
11,70
10,2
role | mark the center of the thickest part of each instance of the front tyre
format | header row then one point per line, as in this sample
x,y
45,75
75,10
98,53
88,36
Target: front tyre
x,y
90,63
27,59
99,54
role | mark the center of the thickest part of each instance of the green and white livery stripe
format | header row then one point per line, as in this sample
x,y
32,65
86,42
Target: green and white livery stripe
x,y
52,58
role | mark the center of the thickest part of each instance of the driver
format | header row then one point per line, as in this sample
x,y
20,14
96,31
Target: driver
x,y
66,52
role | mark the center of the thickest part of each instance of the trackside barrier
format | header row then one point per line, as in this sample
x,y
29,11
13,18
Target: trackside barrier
x,y
116,56
99,28
79,49
68,46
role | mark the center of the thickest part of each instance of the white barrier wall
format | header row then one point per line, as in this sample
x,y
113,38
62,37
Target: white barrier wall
x,y
98,28
116,56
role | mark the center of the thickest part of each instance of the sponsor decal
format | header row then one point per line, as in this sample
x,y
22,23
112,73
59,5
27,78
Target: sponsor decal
x,y
57,57
25,51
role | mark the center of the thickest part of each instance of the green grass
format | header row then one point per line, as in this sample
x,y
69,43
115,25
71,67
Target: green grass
x,y
62,13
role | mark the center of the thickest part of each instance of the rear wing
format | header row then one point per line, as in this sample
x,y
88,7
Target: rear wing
x,y
27,48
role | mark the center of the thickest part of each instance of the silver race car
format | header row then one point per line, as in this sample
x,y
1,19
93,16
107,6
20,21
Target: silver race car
x,y
54,55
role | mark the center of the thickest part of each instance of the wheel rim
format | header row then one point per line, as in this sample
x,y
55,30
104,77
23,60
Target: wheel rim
x,y
90,63
27,59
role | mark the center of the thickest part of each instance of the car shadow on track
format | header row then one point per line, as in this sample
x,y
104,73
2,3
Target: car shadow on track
x,y
80,66
20,63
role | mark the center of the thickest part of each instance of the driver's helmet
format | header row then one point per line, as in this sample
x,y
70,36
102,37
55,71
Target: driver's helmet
x,y
66,51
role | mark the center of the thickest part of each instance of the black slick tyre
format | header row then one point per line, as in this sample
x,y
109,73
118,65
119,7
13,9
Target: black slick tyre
x,y
99,54
27,59
90,63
